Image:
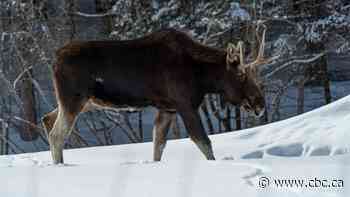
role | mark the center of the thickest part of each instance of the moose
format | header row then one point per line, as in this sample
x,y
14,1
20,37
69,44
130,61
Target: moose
x,y
166,69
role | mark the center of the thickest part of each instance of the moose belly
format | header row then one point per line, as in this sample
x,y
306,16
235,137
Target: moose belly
x,y
95,103
110,95
122,92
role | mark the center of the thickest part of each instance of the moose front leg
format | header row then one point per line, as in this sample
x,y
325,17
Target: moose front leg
x,y
160,130
49,120
195,129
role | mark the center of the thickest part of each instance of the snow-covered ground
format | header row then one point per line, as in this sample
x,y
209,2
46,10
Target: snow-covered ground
x,y
305,156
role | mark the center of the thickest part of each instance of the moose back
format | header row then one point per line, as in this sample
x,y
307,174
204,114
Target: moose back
x,y
166,69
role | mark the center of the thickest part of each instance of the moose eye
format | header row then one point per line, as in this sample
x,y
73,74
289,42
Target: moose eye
x,y
241,76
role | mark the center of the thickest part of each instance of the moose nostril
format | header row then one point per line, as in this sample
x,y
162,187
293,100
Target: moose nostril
x,y
259,112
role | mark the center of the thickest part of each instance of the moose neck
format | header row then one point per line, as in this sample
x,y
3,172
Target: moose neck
x,y
213,73
210,66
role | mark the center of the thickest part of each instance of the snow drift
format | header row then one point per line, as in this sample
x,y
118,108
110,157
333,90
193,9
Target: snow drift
x,y
314,145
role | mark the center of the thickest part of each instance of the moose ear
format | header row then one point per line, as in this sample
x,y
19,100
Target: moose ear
x,y
232,52
234,55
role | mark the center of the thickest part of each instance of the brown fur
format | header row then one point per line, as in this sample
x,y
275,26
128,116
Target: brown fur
x,y
166,69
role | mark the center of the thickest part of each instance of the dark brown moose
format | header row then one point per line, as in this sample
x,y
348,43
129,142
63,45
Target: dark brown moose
x,y
166,69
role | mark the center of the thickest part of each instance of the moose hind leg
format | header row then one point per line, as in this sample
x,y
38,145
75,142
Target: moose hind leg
x,y
195,129
61,129
161,127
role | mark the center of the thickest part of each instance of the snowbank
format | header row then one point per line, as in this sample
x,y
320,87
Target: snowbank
x,y
245,159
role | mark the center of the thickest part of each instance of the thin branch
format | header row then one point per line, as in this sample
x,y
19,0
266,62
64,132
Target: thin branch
x,y
94,15
11,143
80,137
93,130
37,86
11,90
132,138
19,77
26,70
296,61
28,122
345,7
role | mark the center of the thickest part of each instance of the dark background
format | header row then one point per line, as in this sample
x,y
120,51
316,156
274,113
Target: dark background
x,y
300,80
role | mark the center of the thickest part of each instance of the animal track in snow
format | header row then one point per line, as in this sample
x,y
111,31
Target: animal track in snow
x,y
247,135
26,160
138,162
228,158
290,150
250,177
320,151
254,155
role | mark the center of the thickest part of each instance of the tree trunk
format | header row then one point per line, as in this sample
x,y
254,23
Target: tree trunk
x,y
265,118
238,118
300,97
29,133
228,119
70,7
103,6
326,81
3,138
140,125
175,128
318,10
251,37
206,113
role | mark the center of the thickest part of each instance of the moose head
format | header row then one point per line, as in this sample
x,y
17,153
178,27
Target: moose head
x,y
244,88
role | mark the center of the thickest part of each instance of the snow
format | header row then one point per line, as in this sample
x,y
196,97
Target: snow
x,y
172,5
312,146
238,13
